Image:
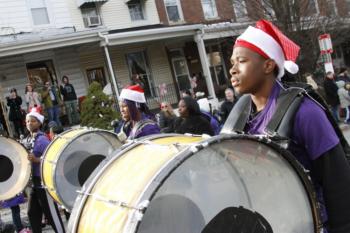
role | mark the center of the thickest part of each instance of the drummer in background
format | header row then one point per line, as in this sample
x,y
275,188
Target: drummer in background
x,y
13,204
259,58
137,120
39,201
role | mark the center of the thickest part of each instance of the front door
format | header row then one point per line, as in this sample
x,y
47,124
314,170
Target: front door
x,y
41,72
181,71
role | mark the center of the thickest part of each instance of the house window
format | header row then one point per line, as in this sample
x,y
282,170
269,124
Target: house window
x,y
91,15
140,71
96,75
136,10
209,9
217,66
312,7
39,12
240,9
269,10
173,9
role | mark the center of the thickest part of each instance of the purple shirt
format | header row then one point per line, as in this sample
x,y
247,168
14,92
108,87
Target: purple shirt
x,y
40,144
312,133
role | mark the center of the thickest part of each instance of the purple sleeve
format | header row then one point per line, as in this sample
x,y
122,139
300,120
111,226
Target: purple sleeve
x,y
149,130
313,130
40,145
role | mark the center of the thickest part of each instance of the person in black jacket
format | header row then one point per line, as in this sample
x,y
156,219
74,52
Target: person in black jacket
x,y
166,117
191,120
70,101
331,91
15,114
227,105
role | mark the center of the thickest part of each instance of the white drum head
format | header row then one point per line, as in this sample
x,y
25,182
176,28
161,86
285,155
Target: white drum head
x,y
14,168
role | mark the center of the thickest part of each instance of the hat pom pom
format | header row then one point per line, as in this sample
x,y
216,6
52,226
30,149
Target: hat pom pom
x,y
291,67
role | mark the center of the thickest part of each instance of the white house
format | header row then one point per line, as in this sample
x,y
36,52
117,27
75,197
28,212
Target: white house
x,y
107,41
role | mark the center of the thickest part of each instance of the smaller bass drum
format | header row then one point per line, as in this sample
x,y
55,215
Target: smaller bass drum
x,y
184,184
70,159
15,168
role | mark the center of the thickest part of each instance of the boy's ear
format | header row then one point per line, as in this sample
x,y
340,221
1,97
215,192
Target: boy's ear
x,y
269,66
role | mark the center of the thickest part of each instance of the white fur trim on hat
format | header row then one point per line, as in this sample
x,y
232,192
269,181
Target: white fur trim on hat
x,y
133,95
270,47
37,115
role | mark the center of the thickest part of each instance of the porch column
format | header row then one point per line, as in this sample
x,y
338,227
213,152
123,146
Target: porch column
x,y
205,64
109,65
111,71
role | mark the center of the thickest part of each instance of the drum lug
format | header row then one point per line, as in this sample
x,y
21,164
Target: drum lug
x,y
48,188
52,162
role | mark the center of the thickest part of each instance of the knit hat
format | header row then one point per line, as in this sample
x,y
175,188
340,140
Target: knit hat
x,y
268,41
34,113
134,93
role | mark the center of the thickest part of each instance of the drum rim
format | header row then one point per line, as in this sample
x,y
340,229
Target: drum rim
x,y
91,181
28,162
153,187
85,130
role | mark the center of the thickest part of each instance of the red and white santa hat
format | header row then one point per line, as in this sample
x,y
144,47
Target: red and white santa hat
x,y
268,41
35,113
134,93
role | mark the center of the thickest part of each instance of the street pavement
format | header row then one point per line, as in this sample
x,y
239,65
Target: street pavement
x,y
5,214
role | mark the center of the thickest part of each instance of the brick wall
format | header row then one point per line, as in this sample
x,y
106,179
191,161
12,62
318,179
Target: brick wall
x,y
193,12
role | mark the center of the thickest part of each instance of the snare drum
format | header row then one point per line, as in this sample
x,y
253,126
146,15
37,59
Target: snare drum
x,y
187,184
71,157
15,168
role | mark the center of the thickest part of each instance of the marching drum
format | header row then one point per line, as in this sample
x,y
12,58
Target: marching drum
x,y
186,184
71,157
15,168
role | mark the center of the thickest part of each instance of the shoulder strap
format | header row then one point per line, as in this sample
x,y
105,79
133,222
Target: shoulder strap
x,y
139,126
288,103
238,116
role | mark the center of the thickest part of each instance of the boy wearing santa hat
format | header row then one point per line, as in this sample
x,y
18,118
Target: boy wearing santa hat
x,y
259,59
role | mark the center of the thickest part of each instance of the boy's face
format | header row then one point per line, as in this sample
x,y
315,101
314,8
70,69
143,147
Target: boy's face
x,y
249,70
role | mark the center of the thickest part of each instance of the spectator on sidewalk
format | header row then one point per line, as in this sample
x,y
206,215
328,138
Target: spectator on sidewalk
x,y
52,100
166,117
70,101
227,105
331,91
343,75
344,99
32,98
191,119
15,114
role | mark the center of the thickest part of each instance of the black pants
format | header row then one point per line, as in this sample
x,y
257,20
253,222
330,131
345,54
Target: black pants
x,y
19,128
39,203
16,217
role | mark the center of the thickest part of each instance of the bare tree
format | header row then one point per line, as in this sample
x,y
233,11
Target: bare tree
x,y
301,20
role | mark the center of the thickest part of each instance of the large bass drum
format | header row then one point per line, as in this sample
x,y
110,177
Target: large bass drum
x,y
15,168
186,184
70,159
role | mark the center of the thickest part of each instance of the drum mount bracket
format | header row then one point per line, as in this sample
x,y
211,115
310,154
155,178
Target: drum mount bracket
x,y
143,205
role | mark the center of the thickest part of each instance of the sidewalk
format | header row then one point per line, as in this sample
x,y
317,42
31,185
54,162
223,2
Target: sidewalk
x,y
7,218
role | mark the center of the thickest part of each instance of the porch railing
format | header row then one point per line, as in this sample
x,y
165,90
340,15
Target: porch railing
x,y
162,93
